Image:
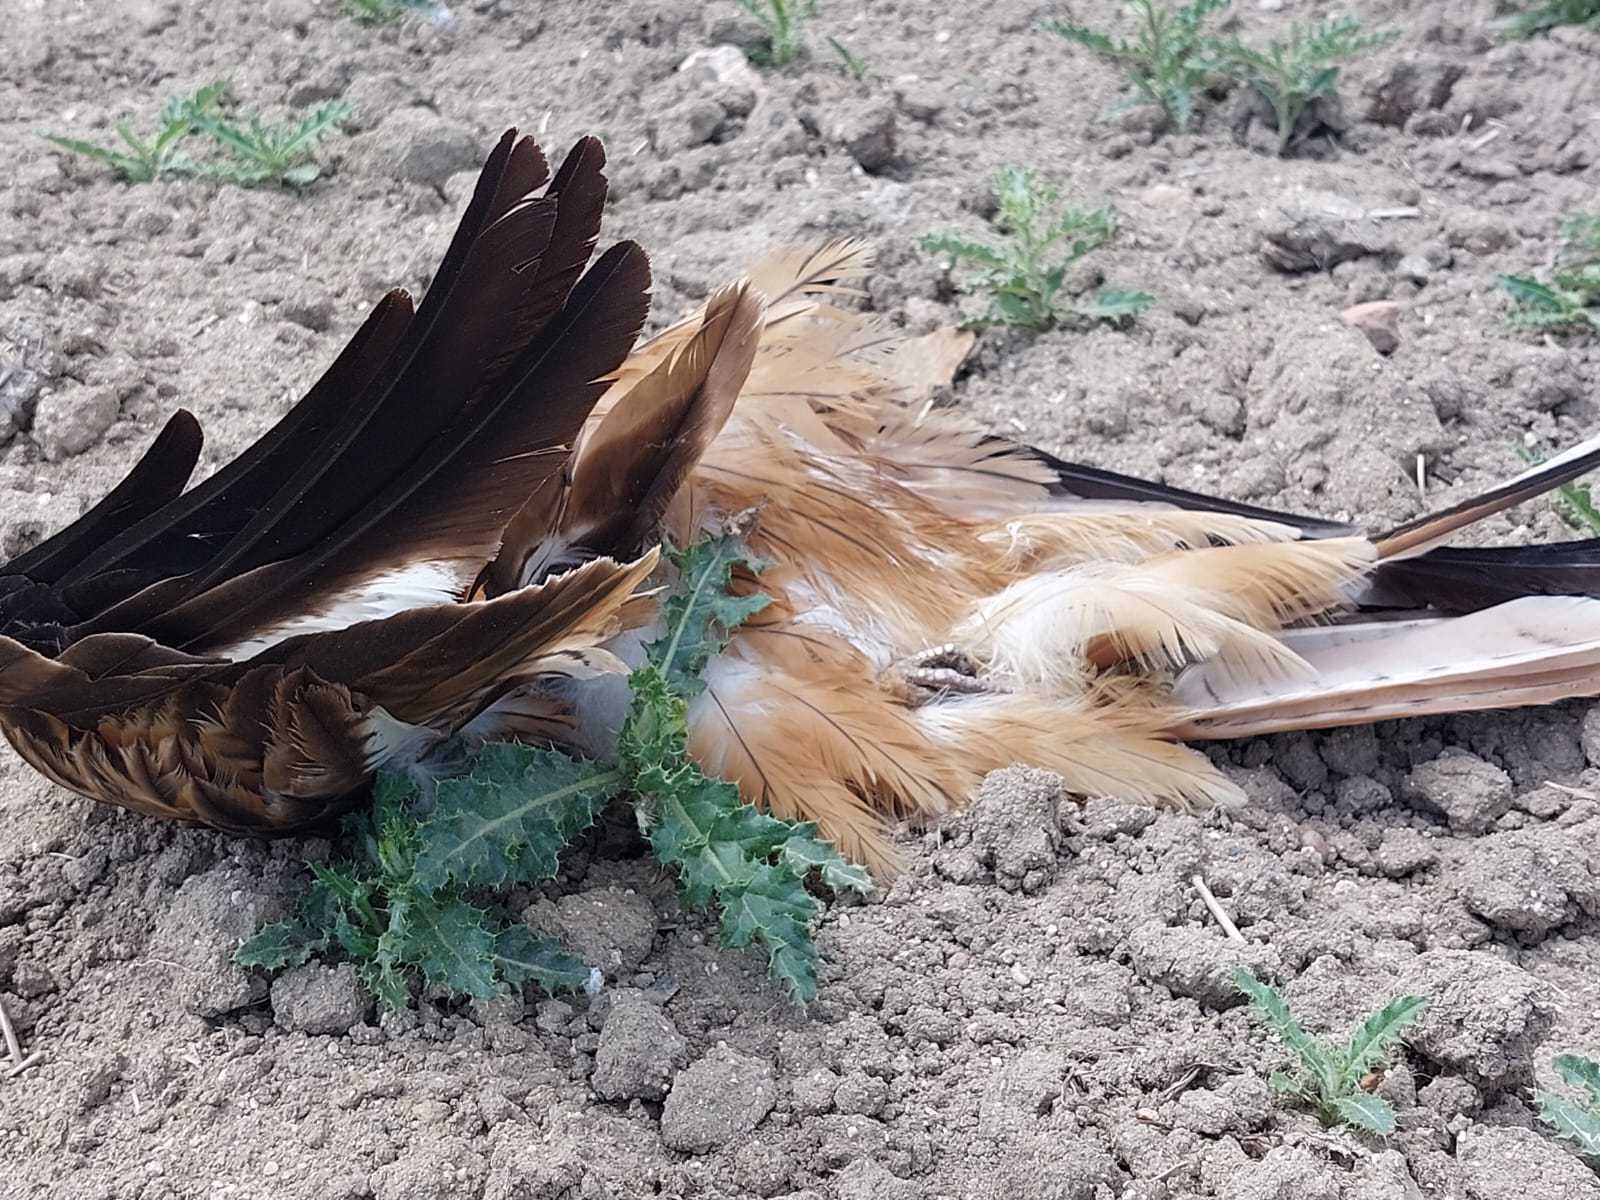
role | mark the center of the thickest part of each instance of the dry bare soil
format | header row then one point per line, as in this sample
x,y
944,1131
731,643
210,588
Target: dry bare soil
x,y
1038,1008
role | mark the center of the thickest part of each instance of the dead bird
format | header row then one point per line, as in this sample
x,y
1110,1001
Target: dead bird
x,y
452,537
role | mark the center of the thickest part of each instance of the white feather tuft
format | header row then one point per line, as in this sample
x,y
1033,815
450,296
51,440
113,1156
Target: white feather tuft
x,y
1038,631
417,585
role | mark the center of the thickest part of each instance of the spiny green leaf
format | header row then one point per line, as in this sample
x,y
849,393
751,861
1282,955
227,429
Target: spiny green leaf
x,y
1553,13
701,611
447,938
957,249
385,980
1572,1121
376,12
1109,304
520,957
286,944
1371,1113
1314,1060
1532,293
1378,1033
1580,1072
509,819
804,852
774,907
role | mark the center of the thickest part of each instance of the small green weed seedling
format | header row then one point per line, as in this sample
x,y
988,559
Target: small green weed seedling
x,y
380,12
784,21
854,66
1576,505
405,905
1168,61
1291,75
1023,273
260,153
1553,13
1329,1077
1571,300
1578,1121
143,160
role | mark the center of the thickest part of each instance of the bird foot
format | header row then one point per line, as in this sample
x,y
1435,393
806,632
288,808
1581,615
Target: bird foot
x,y
937,671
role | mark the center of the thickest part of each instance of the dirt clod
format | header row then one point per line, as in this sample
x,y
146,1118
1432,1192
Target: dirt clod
x,y
719,1098
640,1051
1463,789
319,999
1485,1019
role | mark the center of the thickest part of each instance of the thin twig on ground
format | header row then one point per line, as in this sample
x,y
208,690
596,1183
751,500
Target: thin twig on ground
x,y
1217,911
13,1046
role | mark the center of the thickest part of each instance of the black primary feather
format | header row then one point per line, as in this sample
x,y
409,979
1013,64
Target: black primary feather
x,y
156,479
183,534
455,502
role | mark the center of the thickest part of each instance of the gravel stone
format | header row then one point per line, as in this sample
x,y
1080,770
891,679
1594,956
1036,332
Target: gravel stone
x,y
866,131
71,419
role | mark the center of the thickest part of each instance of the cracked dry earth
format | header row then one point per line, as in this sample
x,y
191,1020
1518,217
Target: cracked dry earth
x,y
1038,1008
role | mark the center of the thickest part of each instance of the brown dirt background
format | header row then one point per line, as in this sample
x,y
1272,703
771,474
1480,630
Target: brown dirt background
x,y
1034,1010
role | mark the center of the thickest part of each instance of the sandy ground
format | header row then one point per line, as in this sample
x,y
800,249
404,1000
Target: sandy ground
x,y
1037,1009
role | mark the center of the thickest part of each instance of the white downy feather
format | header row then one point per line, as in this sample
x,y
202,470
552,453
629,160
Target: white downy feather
x,y
1035,632
417,585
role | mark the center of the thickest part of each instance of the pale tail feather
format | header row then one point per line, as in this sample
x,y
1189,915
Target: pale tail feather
x,y
1530,651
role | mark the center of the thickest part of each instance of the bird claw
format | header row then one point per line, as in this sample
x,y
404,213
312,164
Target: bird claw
x,y
938,671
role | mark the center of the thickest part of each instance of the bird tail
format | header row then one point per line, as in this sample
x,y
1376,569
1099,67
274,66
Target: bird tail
x,y
1527,630
1532,650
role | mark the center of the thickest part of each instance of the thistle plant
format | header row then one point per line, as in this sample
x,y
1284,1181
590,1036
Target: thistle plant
x,y
1168,60
784,22
142,159
257,152
1571,299
380,12
410,902
1330,1078
1023,272
1553,13
1291,75
252,152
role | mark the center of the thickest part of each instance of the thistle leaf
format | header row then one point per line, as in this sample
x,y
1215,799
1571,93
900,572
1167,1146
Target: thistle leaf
x,y
774,907
1314,1060
273,947
804,852
520,957
1371,1113
1533,294
701,611
1372,1041
1571,1121
1108,304
448,939
510,817
1581,1073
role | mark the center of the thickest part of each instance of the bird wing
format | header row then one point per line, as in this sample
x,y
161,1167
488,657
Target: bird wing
x,y
406,496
